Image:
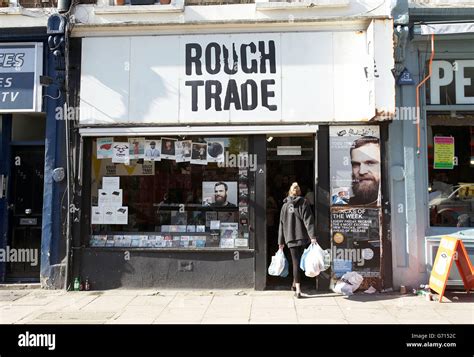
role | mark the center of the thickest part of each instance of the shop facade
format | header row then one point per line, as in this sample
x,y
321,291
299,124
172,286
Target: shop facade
x,y
189,142
31,147
431,189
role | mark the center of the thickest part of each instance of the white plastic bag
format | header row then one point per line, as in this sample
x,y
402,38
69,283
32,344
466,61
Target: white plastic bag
x,y
314,261
348,283
278,263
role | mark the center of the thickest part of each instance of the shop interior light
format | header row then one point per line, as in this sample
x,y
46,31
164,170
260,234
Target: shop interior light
x,y
270,138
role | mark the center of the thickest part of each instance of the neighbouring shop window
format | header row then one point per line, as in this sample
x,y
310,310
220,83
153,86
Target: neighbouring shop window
x,y
451,168
170,192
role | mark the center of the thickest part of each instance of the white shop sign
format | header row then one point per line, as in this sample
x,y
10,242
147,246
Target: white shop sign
x,y
228,78
452,82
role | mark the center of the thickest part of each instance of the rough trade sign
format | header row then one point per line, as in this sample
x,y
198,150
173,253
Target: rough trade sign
x,y
20,68
236,75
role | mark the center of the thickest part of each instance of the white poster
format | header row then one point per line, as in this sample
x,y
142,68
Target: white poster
x,y
137,148
168,150
226,243
121,154
97,216
229,230
355,168
104,148
109,215
219,193
183,150
110,198
121,214
110,183
199,154
152,150
215,151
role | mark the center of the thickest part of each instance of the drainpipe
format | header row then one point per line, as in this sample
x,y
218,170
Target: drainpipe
x,y
418,144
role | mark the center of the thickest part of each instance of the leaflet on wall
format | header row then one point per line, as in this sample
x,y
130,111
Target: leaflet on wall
x,y
104,148
229,230
219,194
152,150
168,150
199,154
110,183
215,151
183,150
355,165
137,148
121,154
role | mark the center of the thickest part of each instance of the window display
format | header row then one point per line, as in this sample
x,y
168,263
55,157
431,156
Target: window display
x,y
169,192
451,169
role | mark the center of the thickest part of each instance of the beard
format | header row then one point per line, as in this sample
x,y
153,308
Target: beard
x,y
365,190
220,200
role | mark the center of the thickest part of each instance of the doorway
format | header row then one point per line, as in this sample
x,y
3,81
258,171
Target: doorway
x,y
289,159
25,206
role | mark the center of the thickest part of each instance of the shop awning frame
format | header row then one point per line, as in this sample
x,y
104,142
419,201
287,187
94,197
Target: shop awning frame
x,y
198,130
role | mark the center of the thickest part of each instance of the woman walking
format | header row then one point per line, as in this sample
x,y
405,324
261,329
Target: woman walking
x,y
296,230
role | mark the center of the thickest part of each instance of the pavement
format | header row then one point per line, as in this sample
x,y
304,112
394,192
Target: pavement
x,y
157,306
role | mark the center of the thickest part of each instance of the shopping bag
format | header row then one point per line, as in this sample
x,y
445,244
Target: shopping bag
x,y
348,283
285,271
303,258
314,261
277,264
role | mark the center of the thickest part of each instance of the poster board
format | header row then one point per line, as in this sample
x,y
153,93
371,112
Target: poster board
x,y
451,249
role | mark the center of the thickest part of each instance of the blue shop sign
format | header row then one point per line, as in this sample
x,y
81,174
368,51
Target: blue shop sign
x,y
21,65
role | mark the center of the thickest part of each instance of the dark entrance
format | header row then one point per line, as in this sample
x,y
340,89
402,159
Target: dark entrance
x,y
25,205
285,166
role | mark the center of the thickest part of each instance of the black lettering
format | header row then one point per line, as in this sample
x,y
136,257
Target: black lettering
x,y
210,94
194,93
232,95
196,58
253,63
270,56
235,58
217,58
268,94
253,95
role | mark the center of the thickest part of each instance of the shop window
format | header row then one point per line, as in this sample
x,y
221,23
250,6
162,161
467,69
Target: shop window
x,y
28,127
451,169
157,192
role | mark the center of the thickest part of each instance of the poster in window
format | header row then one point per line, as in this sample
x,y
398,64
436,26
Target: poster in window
x,y
219,194
215,151
229,230
97,216
121,153
168,150
199,154
183,150
356,238
152,150
137,148
355,165
104,148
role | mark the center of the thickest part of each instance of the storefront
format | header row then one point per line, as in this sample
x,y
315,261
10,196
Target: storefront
x,y
29,149
189,143
433,194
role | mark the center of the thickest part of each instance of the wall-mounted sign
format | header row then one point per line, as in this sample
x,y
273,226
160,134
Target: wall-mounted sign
x,y
452,82
273,77
21,65
289,150
443,152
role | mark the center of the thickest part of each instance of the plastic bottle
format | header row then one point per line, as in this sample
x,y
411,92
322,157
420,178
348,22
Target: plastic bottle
x,y
77,284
